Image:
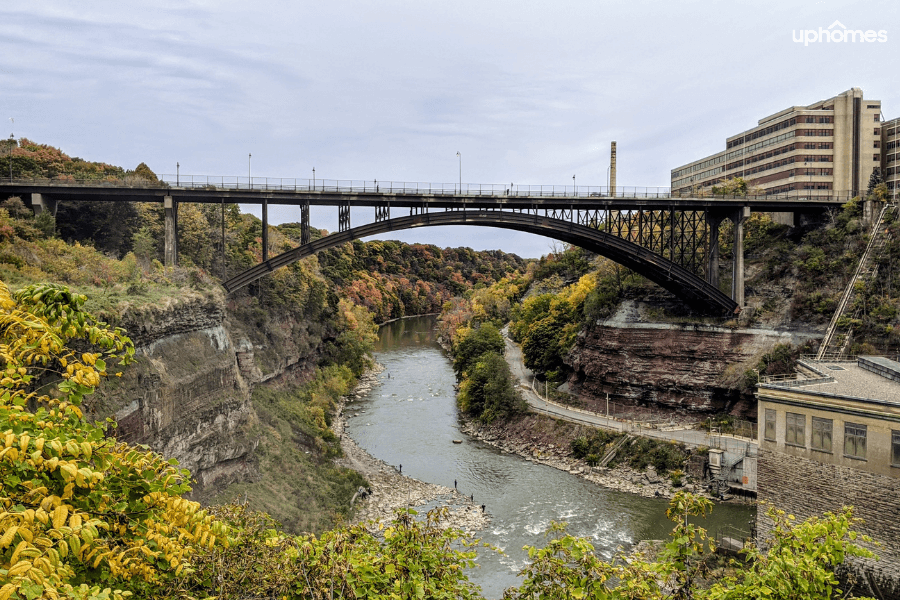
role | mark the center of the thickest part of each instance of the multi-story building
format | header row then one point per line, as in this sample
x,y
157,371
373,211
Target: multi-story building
x,y
829,438
890,155
830,146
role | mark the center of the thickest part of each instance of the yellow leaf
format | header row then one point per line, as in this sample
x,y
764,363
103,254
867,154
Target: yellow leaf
x,y
8,536
60,514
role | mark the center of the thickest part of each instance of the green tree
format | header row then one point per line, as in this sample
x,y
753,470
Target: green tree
x,y
488,390
800,562
732,187
144,172
473,343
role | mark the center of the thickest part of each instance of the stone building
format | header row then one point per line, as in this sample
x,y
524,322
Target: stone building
x,y
830,437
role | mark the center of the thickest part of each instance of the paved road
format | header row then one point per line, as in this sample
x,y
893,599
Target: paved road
x,y
691,437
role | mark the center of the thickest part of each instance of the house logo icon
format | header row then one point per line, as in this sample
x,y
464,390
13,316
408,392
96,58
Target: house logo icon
x,y
838,33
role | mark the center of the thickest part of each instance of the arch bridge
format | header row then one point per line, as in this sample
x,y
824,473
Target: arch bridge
x,y
670,239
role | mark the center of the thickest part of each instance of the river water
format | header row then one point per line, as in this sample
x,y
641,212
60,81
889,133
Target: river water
x,y
411,420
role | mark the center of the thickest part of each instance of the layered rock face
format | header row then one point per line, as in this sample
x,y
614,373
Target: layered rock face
x,y
687,367
188,394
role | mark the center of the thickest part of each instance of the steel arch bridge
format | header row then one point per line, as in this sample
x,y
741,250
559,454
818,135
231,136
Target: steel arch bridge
x,y
683,283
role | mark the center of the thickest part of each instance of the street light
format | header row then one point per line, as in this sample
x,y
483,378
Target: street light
x,y
314,179
249,178
574,189
177,172
9,145
460,171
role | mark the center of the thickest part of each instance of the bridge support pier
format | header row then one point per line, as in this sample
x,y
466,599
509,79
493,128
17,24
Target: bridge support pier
x,y
265,230
41,203
171,237
304,223
712,240
737,277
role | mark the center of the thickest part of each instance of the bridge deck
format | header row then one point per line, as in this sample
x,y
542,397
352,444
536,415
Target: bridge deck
x,y
404,194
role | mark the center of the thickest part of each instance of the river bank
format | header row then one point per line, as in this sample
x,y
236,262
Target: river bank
x,y
389,490
543,440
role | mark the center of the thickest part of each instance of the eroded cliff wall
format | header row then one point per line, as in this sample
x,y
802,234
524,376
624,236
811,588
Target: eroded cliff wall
x,y
692,368
188,394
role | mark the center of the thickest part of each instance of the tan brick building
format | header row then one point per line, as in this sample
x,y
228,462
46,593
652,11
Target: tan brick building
x,y
890,155
831,438
831,146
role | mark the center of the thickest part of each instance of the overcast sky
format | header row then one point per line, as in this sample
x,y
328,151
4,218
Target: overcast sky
x,y
528,92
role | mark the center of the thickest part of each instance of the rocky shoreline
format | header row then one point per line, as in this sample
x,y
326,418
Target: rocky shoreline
x,y
388,489
647,483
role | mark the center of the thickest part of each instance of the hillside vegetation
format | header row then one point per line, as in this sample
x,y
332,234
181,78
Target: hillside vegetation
x,y
111,253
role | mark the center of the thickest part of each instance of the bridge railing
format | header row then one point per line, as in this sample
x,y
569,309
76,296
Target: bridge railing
x,y
262,184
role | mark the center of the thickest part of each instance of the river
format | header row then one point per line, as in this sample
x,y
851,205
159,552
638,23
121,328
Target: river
x,y
411,420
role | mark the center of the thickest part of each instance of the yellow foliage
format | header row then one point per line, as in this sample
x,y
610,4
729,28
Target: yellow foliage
x,y
74,502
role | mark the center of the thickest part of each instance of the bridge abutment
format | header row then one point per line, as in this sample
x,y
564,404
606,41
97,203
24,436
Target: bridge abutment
x,y
170,252
42,203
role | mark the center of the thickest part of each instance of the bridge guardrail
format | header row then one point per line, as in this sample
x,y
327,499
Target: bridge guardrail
x,y
224,182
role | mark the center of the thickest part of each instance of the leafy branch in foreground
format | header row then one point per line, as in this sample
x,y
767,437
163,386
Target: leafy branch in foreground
x,y
81,514
800,563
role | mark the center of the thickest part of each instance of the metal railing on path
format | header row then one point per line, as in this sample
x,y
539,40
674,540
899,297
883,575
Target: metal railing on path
x,y
374,186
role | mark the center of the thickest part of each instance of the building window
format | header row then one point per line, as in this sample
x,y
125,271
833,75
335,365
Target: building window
x,y
795,432
895,448
821,434
769,432
876,117
855,440
876,157
877,131
876,144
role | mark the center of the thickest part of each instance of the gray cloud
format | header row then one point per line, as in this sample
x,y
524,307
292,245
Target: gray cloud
x,y
529,92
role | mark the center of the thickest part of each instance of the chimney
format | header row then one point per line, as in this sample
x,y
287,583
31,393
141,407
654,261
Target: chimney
x,y
612,169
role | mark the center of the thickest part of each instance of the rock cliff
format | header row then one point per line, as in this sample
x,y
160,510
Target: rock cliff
x,y
188,395
690,368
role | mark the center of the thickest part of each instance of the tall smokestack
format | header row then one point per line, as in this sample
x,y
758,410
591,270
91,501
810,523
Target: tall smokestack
x,y
612,169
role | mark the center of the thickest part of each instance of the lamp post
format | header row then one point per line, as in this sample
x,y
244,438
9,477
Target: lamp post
x,y
459,155
9,144
574,189
607,178
177,174
249,177
314,179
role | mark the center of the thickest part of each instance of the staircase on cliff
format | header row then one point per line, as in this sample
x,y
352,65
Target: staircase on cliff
x,y
611,454
840,330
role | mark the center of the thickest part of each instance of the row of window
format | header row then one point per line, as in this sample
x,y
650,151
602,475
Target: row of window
x,y
762,132
700,177
762,144
696,167
794,187
822,435
787,161
778,151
